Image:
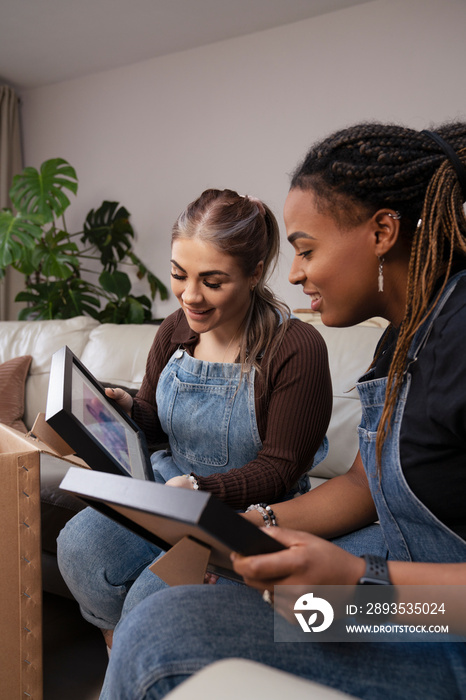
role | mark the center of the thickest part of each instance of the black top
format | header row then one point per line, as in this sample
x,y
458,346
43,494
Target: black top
x,y
433,429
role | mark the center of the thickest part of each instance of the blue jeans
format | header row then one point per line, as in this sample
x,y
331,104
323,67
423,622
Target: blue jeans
x,y
173,634
106,566
90,556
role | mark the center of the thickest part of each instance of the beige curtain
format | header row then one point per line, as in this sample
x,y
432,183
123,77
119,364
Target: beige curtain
x,y
10,164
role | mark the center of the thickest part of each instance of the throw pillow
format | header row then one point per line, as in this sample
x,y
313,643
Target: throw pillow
x,y
13,375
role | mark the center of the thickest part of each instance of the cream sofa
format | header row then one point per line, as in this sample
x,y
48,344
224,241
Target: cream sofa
x,y
116,354
241,678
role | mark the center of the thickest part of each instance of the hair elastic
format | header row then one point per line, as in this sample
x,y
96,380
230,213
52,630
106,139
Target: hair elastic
x,y
452,156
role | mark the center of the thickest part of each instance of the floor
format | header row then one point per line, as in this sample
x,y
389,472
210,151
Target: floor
x,y
75,655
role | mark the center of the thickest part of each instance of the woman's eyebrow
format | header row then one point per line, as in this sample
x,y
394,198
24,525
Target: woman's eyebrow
x,y
201,274
177,265
299,234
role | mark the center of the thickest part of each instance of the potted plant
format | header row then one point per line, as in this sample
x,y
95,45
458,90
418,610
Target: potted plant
x,y
35,241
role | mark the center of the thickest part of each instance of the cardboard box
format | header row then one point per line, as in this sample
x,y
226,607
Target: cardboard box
x,y
21,459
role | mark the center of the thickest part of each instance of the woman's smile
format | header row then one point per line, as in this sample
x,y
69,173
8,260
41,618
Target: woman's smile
x,y
316,299
196,313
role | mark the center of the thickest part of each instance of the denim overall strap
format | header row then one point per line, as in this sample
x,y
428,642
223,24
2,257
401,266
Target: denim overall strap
x,y
207,410
411,531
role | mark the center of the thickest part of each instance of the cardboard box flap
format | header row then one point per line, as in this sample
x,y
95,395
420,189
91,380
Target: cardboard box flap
x,y
46,434
13,441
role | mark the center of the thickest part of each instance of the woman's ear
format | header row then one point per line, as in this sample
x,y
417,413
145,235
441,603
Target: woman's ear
x,y
257,274
386,230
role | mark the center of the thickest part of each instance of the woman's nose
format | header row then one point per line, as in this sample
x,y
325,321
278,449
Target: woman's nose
x,y
296,275
191,294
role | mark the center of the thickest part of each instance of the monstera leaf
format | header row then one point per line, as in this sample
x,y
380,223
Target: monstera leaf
x,y
59,299
115,283
18,237
128,310
56,256
41,192
109,230
124,307
154,283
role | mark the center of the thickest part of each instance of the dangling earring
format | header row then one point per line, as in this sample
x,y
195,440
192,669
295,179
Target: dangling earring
x,y
380,277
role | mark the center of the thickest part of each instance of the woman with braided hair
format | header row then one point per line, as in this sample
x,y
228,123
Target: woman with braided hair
x,y
376,217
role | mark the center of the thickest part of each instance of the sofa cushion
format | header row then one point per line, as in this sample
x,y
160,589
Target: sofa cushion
x,y
41,339
117,354
13,375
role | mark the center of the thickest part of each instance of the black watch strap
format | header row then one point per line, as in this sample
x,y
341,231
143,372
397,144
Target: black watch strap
x,y
376,571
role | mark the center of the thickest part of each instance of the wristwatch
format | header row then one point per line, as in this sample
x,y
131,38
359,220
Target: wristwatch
x,y
376,571
374,604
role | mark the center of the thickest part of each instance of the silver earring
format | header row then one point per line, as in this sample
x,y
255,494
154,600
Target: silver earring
x,y
380,277
396,215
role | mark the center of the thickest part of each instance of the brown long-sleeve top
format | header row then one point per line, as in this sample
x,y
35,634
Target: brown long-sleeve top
x,y
292,411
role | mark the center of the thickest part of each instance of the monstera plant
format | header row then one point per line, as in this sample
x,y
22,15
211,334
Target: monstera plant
x,y
35,241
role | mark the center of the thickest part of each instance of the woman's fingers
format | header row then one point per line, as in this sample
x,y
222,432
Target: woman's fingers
x,y
273,568
121,397
307,560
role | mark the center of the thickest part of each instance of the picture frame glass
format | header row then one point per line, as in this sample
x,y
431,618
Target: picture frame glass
x,y
103,422
99,431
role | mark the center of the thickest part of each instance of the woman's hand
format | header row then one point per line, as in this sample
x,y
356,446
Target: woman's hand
x,y
182,482
308,560
121,397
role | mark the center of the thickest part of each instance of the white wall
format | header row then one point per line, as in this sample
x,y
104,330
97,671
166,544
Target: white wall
x,y
241,113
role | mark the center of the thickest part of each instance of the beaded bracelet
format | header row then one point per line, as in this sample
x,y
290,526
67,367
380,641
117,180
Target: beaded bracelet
x,y
267,513
193,480
262,511
273,519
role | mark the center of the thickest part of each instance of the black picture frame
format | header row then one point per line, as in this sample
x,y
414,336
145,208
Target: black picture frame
x,y
164,515
99,431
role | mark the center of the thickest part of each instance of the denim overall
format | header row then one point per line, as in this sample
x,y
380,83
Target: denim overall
x,y
207,410
411,531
